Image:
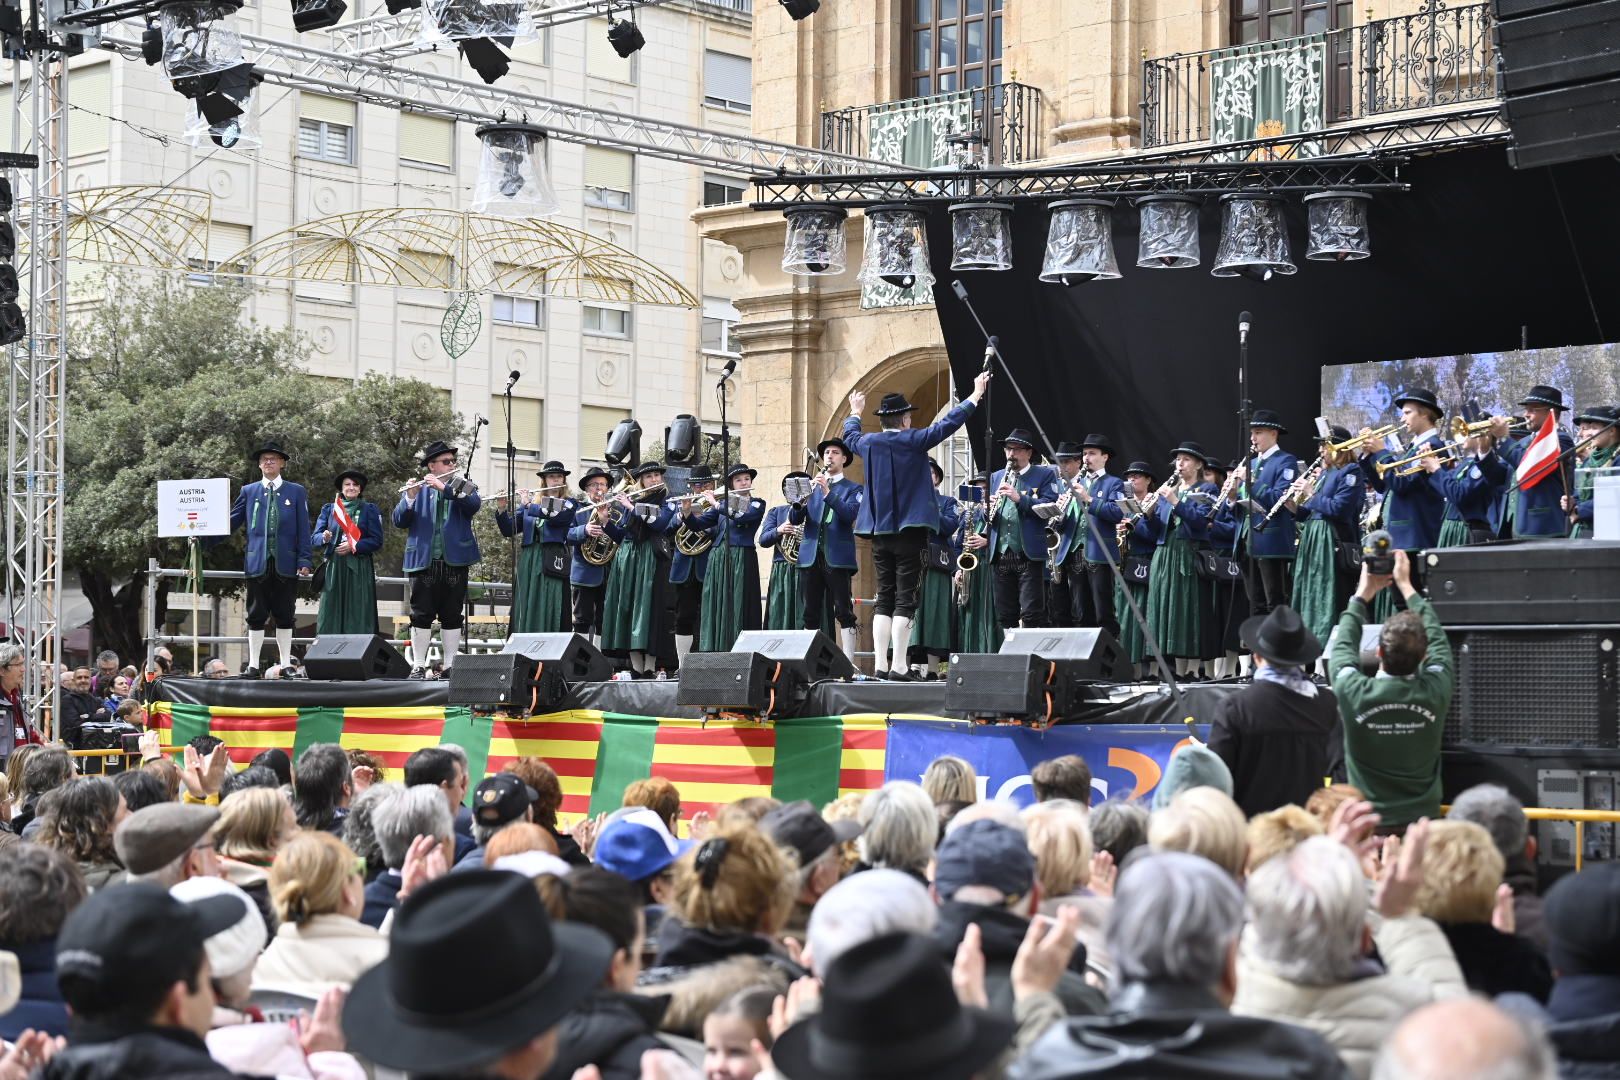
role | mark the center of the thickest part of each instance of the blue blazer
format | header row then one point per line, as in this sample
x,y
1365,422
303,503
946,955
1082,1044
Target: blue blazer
x,y
1267,482
681,566
581,572
1338,499
739,530
503,522
1539,511
770,534
950,520
1105,511
415,515
1189,519
1143,535
1413,505
1472,489
899,487
1040,485
835,539
371,533
554,529
290,547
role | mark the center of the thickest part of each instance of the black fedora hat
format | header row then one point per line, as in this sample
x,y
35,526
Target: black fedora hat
x,y
350,474
1139,468
551,467
1192,449
1549,396
1095,441
648,467
700,474
821,448
1599,414
1281,638
887,1010
1019,437
980,477
937,469
270,447
1267,418
893,404
740,469
1419,396
595,473
1069,449
475,968
433,450
1336,433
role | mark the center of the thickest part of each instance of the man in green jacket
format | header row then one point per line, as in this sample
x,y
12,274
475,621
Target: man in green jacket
x,y
1393,721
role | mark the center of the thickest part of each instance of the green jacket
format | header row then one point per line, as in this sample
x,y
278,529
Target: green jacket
x,y
1393,725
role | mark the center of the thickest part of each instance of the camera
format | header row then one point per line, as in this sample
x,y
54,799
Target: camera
x,y
107,735
1378,552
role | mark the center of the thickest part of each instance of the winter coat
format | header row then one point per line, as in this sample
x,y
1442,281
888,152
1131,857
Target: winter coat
x,y
1001,932
1528,918
611,1031
1358,1015
273,1050
1497,963
327,951
41,1006
255,881
1582,1018
699,968
100,874
105,1053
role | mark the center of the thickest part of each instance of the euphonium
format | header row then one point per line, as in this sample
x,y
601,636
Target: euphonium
x,y
600,550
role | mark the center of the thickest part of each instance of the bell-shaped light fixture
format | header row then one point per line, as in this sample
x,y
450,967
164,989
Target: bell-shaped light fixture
x,y
512,179
1080,242
981,236
199,39
1254,237
815,241
1336,226
896,248
1169,232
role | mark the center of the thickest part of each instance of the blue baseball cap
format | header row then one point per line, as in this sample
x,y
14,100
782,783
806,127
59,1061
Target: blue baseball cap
x,y
637,846
984,852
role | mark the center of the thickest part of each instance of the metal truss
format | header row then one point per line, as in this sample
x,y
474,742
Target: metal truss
x,y
36,391
377,82
393,36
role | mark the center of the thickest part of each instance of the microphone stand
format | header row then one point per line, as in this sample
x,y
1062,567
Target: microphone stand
x,y
723,503
466,475
992,348
516,511
1242,539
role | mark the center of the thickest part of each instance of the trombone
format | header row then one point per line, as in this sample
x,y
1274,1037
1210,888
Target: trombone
x,y
1357,442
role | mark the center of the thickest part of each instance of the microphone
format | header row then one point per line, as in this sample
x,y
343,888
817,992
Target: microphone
x,y
991,347
511,380
729,370
1243,328
960,290
481,421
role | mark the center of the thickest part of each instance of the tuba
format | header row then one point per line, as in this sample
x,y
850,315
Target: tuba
x,y
600,550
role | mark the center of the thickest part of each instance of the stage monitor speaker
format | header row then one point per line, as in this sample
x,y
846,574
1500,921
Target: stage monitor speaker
x,y
354,657
812,652
1535,686
996,685
506,680
1535,583
571,656
1091,653
740,681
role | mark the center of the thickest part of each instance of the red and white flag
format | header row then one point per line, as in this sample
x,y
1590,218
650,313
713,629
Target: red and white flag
x,y
345,522
1540,458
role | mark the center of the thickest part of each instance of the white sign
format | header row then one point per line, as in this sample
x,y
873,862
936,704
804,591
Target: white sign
x,y
1606,504
194,507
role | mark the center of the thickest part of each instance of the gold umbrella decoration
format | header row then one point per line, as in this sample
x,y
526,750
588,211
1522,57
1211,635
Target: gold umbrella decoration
x,y
463,253
130,225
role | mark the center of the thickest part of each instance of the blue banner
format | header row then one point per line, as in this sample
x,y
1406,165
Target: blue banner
x,y
1126,759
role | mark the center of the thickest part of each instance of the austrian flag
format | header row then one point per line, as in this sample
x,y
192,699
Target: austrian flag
x,y
1540,458
346,523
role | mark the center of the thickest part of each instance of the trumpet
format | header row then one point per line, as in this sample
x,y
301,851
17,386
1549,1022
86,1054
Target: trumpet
x,y
630,492
1412,463
1357,442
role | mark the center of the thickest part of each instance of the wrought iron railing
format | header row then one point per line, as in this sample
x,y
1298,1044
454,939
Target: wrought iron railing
x,y
999,124
1436,57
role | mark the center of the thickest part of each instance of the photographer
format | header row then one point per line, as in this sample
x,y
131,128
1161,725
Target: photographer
x,y
1393,721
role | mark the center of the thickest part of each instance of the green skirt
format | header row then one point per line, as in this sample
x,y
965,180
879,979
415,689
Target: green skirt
x,y
931,628
552,603
978,630
1177,601
1131,641
1316,581
730,597
1452,534
529,614
349,597
628,616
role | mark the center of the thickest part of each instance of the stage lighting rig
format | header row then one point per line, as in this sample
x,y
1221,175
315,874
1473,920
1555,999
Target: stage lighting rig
x,y
479,31
317,14
681,439
801,9
624,444
625,37
225,109
13,326
512,179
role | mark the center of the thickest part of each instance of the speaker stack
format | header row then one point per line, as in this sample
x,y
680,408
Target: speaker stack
x,y
354,657
532,671
1560,76
1038,676
767,672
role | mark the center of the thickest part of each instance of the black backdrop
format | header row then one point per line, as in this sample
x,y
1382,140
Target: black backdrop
x,y
1459,263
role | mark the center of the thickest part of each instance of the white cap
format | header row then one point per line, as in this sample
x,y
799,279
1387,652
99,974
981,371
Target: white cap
x,y
532,864
865,906
233,951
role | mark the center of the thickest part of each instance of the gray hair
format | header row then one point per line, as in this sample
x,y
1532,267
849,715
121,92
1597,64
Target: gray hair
x,y
10,654
901,826
401,818
459,753
1494,808
1174,919
1118,827
359,829
865,906
1466,1037
1308,908
106,654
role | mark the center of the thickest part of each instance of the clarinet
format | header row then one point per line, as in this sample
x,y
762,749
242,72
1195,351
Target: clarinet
x,y
1305,479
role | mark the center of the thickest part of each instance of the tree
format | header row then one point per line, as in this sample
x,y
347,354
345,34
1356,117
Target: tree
x,y
168,381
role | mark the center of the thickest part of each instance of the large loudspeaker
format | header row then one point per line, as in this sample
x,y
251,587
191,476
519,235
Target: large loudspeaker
x,y
1089,653
1539,582
1535,686
1560,65
354,657
990,684
741,681
812,652
505,679
571,656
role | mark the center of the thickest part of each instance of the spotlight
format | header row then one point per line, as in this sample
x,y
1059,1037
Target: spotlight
x,y
1169,232
624,444
512,180
224,103
5,196
479,29
1336,226
981,236
625,37
199,39
397,6
896,247
681,439
1080,242
10,287
485,57
151,44
801,9
13,327
815,241
1254,237
317,14
8,241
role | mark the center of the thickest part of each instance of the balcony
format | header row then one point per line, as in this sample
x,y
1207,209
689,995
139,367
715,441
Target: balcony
x,y
942,130
1435,59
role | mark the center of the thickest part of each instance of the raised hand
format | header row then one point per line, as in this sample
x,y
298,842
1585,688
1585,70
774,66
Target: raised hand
x,y
857,403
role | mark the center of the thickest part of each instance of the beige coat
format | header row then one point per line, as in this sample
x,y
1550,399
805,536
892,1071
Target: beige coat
x,y
327,951
1357,1016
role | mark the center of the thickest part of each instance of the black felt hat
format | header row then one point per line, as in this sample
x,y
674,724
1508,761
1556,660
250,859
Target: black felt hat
x,y
741,470
551,467
700,474
1068,450
1599,414
433,450
1549,396
1267,418
893,404
350,474
1019,437
1139,468
1194,450
270,447
595,473
1281,637
648,467
821,448
1336,433
1420,396
1097,442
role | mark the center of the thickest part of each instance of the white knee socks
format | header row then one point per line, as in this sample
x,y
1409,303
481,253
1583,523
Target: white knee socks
x,y
683,645
255,647
881,628
902,642
847,638
420,639
452,642
284,646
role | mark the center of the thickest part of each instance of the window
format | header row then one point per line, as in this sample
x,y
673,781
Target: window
x,y
426,269
596,423
90,130
728,81
326,129
600,60
1273,20
720,320
527,426
519,311
427,140
609,178
723,190
314,268
952,45
607,321
224,240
